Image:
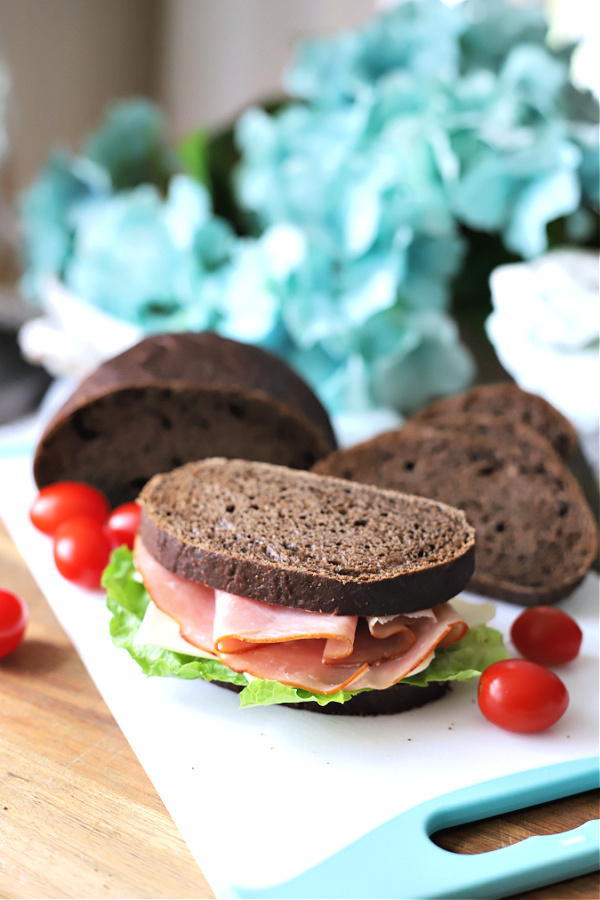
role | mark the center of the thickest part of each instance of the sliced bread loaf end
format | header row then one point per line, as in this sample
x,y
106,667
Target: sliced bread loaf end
x,y
175,398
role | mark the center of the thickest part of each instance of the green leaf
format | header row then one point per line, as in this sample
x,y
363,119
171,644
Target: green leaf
x,y
467,659
127,599
123,584
265,693
194,154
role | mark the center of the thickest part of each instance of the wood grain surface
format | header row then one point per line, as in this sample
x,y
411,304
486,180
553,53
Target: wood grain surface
x,y
78,815
79,818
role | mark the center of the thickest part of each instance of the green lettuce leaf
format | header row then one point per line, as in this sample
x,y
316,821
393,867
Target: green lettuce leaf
x,y
480,647
264,693
128,600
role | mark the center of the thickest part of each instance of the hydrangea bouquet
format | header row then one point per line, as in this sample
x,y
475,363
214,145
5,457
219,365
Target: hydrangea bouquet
x,y
335,228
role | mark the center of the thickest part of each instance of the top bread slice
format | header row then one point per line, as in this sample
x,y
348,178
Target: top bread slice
x,y
535,535
509,403
173,398
302,540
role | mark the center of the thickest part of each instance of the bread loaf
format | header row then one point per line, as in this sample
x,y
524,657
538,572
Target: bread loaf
x,y
535,535
507,402
178,397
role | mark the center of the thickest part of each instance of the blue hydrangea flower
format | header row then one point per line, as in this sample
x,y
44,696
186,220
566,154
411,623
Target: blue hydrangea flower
x,y
401,135
46,212
124,231
417,37
132,145
151,260
426,119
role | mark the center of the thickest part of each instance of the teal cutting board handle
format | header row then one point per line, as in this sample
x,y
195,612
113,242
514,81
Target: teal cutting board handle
x,y
399,860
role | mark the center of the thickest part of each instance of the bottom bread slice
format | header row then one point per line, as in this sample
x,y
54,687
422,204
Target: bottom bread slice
x,y
396,699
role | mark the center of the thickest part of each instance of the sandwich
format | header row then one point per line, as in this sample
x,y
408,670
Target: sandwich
x,y
536,537
295,588
173,398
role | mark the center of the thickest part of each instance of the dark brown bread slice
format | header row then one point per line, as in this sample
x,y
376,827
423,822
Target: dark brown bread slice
x,y
398,698
175,398
498,428
299,539
506,401
119,440
536,537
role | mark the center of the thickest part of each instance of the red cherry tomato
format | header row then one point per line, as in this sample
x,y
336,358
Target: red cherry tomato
x,y
81,550
123,524
64,500
14,616
546,635
520,695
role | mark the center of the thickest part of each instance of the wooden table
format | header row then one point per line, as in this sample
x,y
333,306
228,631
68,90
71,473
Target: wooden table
x,y
79,817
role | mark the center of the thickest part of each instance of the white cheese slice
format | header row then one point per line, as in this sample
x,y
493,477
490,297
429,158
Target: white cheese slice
x,y
160,630
422,665
474,613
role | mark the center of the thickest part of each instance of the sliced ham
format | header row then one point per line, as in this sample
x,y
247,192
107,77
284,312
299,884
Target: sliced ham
x,y
382,626
447,628
369,649
239,623
297,663
313,651
192,605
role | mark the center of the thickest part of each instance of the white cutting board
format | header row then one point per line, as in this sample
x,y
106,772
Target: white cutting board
x,y
261,794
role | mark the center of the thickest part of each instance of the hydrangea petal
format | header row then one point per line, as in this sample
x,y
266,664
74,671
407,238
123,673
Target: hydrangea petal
x,y
432,363
187,208
535,74
127,263
46,215
249,301
132,145
541,203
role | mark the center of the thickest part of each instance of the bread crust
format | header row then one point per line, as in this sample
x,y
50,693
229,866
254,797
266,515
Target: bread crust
x,y
202,358
305,541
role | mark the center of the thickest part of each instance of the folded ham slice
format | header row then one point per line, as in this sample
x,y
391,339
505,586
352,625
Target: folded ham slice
x,y
314,651
192,605
446,628
239,623
382,626
297,663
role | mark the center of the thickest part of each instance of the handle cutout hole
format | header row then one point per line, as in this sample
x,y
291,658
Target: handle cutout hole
x,y
553,817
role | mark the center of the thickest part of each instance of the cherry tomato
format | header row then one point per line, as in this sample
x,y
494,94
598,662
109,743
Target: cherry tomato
x,y
123,524
81,550
14,616
520,695
64,500
546,635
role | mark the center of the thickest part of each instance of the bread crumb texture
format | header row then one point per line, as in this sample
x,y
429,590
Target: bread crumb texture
x,y
293,519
